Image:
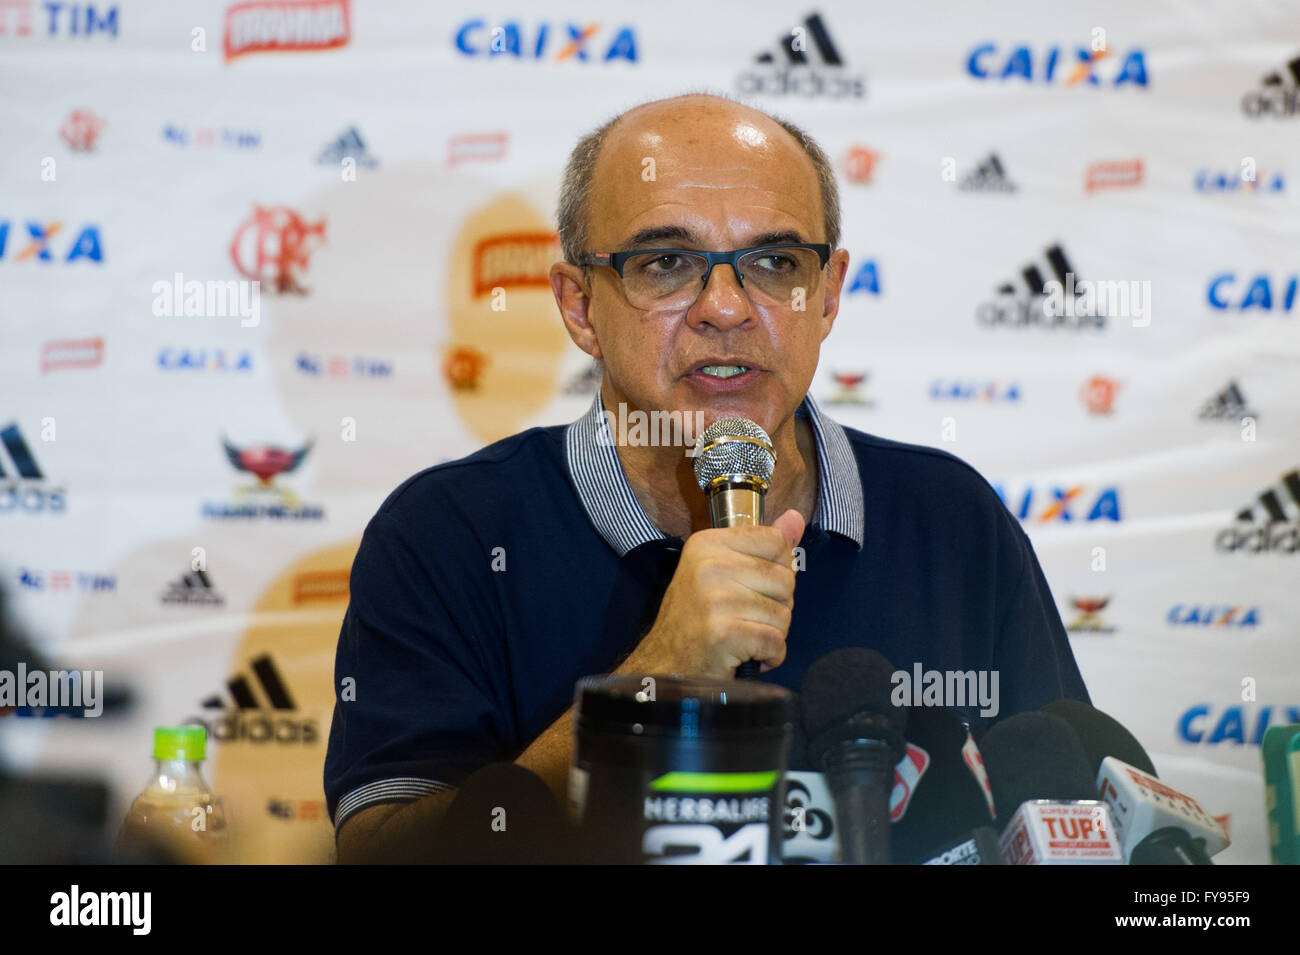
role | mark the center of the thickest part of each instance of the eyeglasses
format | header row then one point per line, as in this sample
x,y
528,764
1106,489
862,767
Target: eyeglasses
x,y
665,279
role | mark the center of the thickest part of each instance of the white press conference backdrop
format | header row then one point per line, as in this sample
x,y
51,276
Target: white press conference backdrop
x,y
186,472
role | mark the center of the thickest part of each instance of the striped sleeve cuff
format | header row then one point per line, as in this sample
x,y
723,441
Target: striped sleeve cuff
x,y
400,789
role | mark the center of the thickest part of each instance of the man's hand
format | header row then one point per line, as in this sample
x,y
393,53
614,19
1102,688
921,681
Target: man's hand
x,y
729,601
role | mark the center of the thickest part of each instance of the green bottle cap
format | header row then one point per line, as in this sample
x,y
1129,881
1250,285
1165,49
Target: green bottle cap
x,y
179,742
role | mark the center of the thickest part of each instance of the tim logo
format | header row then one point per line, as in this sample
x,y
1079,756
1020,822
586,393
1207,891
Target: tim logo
x,y
570,42
273,246
286,27
1062,504
1058,66
42,247
61,19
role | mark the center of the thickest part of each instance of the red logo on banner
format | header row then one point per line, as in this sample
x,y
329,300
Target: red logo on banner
x,y
271,247
1098,394
463,368
291,26
859,162
1113,175
81,130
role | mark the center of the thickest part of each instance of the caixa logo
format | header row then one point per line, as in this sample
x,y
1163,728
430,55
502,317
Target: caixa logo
x,y
1239,723
1077,66
1044,505
1210,615
1262,291
547,41
41,244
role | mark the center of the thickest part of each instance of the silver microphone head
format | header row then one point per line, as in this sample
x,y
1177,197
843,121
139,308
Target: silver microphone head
x,y
733,446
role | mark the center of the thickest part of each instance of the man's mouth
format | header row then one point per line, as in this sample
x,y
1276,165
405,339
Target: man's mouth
x,y
723,371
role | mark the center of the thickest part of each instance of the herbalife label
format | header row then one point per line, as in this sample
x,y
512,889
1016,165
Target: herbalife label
x,y
709,818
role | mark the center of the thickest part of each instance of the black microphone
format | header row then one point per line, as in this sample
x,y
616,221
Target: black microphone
x,y
855,736
503,814
947,797
1048,811
1157,824
734,461
1101,735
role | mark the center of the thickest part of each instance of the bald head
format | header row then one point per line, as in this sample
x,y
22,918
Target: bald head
x,y
698,141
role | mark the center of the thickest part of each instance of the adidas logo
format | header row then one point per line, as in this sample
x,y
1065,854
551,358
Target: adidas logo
x,y
195,588
1033,276
1271,524
1228,405
348,145
1278,95
18,471
20,455
806,63
247,721
1021,302
988,176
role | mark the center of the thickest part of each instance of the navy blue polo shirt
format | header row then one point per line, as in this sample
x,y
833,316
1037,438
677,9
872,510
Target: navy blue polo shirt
x,y
484,588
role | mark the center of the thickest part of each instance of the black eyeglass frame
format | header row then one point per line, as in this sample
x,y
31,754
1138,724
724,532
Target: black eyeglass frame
x,y
616,260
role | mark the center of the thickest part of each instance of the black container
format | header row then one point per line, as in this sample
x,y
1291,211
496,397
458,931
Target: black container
x,y
671,769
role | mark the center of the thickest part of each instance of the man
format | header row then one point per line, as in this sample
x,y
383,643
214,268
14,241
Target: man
x,y
485,587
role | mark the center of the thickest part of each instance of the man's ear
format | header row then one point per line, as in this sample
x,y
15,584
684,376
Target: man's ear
x,y
573,297
836,269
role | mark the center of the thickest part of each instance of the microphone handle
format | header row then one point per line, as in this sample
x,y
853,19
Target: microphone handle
x,y
733,505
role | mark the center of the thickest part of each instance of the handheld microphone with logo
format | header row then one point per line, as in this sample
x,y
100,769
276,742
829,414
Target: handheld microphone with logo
x,y
1043,788
1156,824
734,461
855,736
1281,752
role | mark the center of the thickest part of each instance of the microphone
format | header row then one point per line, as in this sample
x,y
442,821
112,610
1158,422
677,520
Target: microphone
x,y
941,803
503,814
855,736
1043,789
1101,735
981,847
1281,752
734,461
1156,824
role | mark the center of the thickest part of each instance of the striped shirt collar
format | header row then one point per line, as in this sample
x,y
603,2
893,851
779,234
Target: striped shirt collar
x,y
617,515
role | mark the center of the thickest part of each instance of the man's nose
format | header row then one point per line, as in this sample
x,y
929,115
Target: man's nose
x,y
722,302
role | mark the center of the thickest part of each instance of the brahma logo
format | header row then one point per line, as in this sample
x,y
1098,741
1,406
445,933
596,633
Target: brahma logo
x,y
1055,65
286,26
1239,723
1227,292
72,353
561,43
1052,504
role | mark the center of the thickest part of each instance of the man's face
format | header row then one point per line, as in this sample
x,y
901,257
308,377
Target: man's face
x,y
723,178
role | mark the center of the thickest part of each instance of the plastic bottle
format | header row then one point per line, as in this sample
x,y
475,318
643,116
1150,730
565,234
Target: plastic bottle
x,y
177,815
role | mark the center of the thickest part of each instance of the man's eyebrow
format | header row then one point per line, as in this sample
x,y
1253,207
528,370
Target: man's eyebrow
x,y
658,235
